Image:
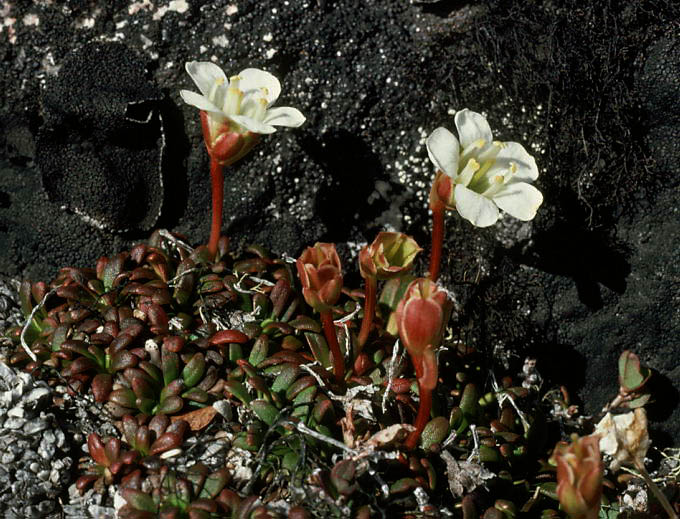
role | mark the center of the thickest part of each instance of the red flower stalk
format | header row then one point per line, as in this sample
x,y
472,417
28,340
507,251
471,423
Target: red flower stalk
x,y
320,273
224,147
390,255
441,198
421,318
579,476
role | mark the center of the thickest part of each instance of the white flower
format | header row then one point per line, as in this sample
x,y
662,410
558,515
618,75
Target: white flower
x,y
487,175
237,107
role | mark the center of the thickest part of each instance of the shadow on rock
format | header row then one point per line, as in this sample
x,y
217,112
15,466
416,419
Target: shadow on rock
x,y
352,170
100,148
665,397
562,364
591,257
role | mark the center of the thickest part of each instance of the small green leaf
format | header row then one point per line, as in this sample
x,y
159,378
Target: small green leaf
x,y
171,405
632,375
299,385
170,366
238,390
194,370
139,500
403,485
259,351
145,405
285,377
290,460
196,395
214,483
235,351
319,346
434,432
123,397
468,402
302,401
265,411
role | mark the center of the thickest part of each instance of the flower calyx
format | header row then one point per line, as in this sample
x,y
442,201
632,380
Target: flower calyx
x,y
390,255
320,273
422,315
579,476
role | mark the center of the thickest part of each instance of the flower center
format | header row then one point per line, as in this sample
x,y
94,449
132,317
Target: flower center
x,y
480,182
232,101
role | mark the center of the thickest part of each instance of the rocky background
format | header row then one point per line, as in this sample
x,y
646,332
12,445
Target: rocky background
x,y
98,149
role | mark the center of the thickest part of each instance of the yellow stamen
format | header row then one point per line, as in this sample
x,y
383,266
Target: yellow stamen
x,y
468,172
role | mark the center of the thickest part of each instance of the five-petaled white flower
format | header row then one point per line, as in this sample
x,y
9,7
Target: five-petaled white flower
x,y
478,176
235,111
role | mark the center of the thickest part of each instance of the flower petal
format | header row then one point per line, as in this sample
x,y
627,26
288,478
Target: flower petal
x,y
443,150
471,127
514,153
204,74
284,116
477,209
254,79
199,101
520,200
252,125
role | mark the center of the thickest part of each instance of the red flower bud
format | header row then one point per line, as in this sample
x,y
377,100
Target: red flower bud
x,y
579,476
421,316
441,192
390,254
321,276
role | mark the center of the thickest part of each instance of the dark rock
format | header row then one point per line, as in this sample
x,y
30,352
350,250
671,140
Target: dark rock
x,y
100,147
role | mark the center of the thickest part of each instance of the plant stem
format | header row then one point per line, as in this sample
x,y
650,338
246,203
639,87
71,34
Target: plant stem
x,y
437,240
369,311
332,340
422,418
655,489
217,185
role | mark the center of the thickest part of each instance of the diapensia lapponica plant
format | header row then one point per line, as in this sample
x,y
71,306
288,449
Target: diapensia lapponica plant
x,y
315,391
234,113
478,177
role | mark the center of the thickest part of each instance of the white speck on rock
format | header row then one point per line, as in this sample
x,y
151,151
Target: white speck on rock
x,y
146,42
179,6
31,19
85,23
221,41
267,37
232,9
135,7
270,53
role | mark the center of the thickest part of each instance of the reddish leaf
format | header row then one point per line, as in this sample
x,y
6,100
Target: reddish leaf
x,y
96,449
166,442
229,336
102,384
112,450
